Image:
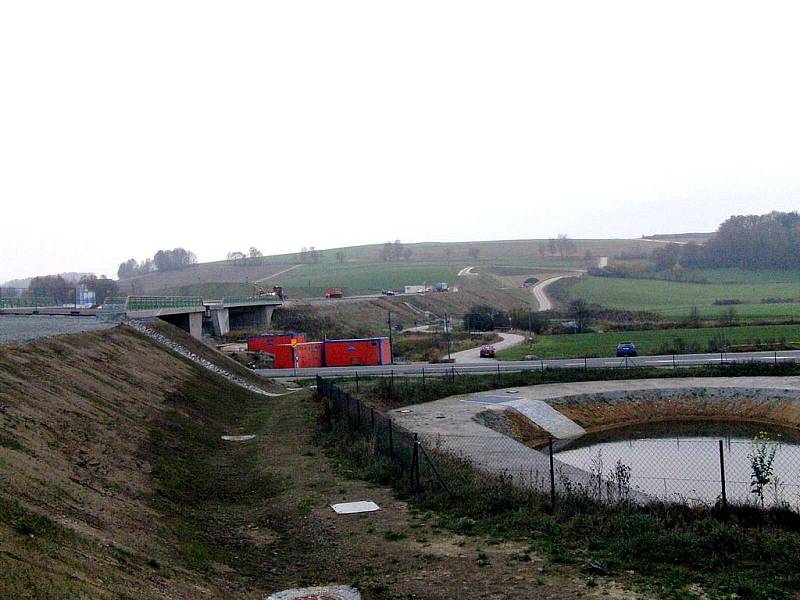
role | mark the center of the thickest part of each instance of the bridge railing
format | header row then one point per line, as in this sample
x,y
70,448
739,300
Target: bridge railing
x,y
30,302
157,302
246,299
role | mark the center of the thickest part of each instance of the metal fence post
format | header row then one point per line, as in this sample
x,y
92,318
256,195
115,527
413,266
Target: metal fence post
x,y
356,382
435,471
552,475
674,366
391,441
414,465
452,375
722,475
392,375
423,377
585,364
372,420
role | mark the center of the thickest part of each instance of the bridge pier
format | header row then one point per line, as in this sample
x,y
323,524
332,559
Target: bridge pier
x,y
250,317
220,321
190,322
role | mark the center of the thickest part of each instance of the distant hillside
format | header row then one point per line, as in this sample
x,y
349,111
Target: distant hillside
x,y
699,238
361,269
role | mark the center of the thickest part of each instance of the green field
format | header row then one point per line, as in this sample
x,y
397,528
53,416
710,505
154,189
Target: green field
x,y
649,342
676,299
364,271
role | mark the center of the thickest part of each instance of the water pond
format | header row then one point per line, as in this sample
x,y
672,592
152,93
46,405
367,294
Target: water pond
x,y
681,461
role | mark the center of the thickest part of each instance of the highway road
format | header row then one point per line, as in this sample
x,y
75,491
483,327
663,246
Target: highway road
x,y
663,361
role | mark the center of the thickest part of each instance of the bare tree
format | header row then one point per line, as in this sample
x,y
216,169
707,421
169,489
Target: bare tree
x,y
580,311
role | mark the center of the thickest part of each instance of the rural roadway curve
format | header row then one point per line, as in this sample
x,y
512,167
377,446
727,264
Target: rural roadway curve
x,y
473,355
539,291
663,361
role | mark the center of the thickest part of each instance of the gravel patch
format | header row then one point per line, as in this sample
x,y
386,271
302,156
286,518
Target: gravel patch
x,y
20,328
325,592
206,364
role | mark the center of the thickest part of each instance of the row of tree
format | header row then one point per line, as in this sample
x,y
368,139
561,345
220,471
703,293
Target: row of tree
x,y
561,245
163,260
395,251
253,255
770,241
64,292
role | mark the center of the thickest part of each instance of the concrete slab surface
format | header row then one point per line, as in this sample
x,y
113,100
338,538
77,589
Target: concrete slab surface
x,y
546,417
351,508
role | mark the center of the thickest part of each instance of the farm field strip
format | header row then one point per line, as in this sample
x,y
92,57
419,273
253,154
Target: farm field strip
x,y
675,298
648,342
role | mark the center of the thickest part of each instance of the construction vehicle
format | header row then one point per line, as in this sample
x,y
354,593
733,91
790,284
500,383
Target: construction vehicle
x,y
333,293
277,291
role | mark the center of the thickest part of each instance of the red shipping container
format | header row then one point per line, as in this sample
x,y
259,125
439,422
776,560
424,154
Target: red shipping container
x,y
304,356
265,343
284,357
309,355
360,352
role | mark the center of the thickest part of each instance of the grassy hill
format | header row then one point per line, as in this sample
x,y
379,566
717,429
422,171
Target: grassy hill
x,y
363,271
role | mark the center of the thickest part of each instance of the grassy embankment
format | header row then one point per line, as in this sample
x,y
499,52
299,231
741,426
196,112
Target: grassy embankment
x,y
116,484
660,341
668,551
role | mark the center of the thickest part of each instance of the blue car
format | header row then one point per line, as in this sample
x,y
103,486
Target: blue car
x,y
626,349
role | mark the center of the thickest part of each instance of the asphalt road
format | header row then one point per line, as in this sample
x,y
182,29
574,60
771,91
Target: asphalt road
x,y
473,355
664,361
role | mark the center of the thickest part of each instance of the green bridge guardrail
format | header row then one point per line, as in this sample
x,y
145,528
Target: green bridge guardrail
x,y
247,299
157,302
28,302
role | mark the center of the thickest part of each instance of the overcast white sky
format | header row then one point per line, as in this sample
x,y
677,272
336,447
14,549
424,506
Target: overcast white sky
x,y
129,127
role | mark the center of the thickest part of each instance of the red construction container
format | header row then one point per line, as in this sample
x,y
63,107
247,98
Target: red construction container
x,y
309,355
284,357
360,352
265,343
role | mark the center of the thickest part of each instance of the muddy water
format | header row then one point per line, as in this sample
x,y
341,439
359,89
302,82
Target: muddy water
x,y
681,460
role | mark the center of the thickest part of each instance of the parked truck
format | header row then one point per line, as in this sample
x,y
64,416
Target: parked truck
x,y
334,293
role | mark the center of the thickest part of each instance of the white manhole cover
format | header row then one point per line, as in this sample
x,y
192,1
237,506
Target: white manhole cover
x,y
325,592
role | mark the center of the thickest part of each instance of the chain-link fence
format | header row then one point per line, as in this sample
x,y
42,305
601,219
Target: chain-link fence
x,y
694,471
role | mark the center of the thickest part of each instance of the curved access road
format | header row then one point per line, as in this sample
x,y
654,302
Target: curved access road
x,y
539,291
473,355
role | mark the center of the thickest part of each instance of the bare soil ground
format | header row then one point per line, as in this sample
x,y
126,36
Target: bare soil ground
x,y
115,484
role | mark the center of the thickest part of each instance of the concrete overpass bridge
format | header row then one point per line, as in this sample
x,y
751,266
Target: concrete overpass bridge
x,y
192,313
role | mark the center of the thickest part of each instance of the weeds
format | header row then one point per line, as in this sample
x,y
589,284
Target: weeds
x,y
744,550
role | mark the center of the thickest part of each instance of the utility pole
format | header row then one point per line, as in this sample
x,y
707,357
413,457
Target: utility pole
x,y
391,343
447,334
530,327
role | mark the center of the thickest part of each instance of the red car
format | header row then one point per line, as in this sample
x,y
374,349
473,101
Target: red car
x,y
487,352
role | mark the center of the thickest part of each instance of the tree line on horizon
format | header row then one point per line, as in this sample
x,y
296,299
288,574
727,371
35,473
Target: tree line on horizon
x,y
754,242
163,260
